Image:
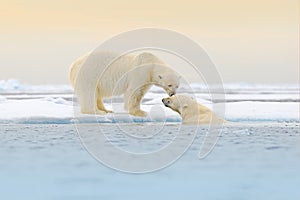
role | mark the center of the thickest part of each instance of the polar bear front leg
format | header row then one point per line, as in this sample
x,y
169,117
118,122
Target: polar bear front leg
x,y
133,100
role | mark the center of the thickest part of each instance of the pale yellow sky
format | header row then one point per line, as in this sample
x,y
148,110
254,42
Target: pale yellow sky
x,y
249,41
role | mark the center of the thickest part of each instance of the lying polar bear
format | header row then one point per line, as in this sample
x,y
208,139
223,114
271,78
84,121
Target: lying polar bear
x,y
191,111
131,75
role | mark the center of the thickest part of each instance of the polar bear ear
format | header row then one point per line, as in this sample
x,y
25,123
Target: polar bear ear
x,y
185,106
160,77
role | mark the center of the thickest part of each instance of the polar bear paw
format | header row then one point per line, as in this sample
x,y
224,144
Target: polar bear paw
x,y
94,112
107,111
138,113
100,112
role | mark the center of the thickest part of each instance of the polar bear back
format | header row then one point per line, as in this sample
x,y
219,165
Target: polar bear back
x,y
112,69
109,66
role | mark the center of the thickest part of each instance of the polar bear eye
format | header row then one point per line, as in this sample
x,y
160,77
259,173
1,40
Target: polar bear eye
x,y
169,85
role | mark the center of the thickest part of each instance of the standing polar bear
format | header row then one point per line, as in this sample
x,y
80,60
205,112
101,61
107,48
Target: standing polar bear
x,y
100,75
191,111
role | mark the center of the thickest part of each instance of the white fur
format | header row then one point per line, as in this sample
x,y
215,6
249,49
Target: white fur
x,y
101,75
191,111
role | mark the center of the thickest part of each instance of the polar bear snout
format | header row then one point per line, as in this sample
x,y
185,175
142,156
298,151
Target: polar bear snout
x,y
166,102
171,92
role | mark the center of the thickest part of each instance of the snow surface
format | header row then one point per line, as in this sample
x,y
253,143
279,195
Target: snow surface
x,y
23,103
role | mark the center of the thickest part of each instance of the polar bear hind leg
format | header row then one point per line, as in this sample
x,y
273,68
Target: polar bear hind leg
x,y
100,104
101,107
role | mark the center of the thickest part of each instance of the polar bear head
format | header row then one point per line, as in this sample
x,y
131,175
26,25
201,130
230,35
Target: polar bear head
x,y
180,103
190,111
168,79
